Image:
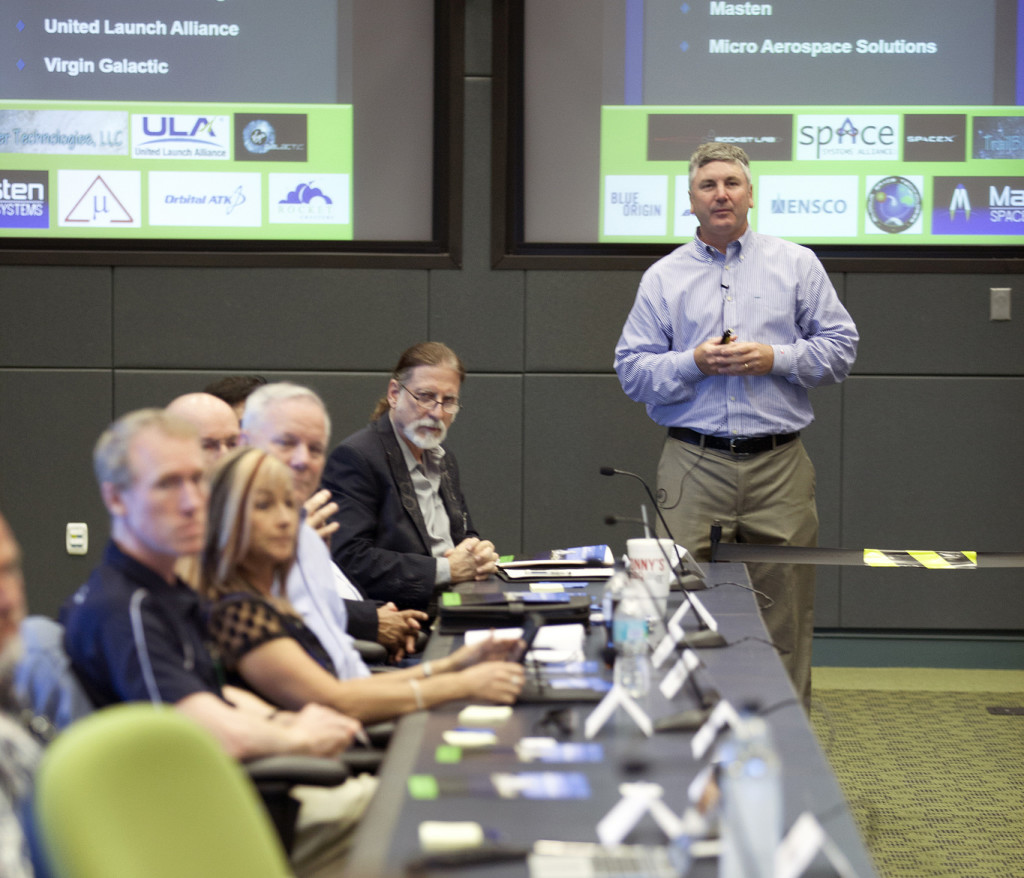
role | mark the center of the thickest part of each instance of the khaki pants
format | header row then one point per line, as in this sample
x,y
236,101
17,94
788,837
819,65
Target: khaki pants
x,y
327,820
768,499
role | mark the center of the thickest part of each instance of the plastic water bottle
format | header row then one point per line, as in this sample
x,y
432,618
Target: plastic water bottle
x,y
629,631
609,603
751,811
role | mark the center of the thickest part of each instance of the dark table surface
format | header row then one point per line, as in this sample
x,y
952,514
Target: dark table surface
x,y
747,670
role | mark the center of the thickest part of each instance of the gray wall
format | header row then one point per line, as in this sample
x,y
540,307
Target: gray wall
x,y
919,449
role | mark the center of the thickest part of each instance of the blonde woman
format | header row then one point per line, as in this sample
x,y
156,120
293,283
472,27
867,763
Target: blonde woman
x,y
250,544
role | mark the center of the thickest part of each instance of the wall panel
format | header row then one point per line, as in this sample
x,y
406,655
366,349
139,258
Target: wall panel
x,y
934,324
55,317
259,319
49,422
924,468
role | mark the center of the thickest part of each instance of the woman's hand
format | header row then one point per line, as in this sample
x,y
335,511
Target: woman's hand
x,y
500,682
493,649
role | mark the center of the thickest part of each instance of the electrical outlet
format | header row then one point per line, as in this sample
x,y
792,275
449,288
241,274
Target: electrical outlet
x,y
76,538
999,303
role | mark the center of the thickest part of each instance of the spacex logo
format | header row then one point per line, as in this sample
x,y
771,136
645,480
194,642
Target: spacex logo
x,y
960,200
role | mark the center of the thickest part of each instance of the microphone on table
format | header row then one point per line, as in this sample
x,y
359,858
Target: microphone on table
x,y
612,471
705,637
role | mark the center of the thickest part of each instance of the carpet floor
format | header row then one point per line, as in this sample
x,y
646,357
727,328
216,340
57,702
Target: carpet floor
x,y
935,779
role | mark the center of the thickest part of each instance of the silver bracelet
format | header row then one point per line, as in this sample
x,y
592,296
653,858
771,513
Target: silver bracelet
x,y
428,669
417,693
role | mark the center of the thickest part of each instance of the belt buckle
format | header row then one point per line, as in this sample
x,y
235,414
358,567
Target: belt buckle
x,y
735,444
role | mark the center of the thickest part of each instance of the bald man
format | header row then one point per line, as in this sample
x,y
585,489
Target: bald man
x,y
215,420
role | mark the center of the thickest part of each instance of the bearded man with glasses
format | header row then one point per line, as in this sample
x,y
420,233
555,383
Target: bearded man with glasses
x,y
404,529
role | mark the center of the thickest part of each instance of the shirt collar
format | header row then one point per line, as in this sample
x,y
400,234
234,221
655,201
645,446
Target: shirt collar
x,y
131,567
735,249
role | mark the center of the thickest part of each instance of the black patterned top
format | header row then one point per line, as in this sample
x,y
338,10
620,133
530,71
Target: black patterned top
x,y
241,622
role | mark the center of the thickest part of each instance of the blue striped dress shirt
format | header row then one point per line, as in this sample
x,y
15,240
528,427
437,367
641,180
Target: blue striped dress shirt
x,y
766,290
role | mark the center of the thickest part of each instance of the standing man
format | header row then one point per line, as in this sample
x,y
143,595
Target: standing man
x,y
404,531
725,337
291,423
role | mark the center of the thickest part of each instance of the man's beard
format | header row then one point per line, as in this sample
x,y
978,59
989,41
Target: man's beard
x,y
427,441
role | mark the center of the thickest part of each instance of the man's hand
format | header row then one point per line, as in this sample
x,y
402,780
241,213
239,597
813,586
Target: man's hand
x,y
472,559
319,731
397,629
319,509
734,358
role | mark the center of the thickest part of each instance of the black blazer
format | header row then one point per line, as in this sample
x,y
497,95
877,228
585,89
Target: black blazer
x,y
381,543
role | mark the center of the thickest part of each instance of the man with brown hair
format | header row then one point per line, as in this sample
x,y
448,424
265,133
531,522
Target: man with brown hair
x,y
404,530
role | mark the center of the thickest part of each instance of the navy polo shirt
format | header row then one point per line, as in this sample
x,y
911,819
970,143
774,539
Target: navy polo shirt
x,y
131,636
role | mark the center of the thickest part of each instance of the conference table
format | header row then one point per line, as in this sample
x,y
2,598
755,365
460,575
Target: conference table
x,y
744,672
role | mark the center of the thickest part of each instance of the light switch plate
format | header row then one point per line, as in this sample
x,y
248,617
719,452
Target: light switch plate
x,y
76,538
999,303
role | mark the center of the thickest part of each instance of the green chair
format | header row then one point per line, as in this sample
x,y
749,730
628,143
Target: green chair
x,y
140,791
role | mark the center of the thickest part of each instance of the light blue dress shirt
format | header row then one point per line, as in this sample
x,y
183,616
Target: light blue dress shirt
x,y
766,290
311,590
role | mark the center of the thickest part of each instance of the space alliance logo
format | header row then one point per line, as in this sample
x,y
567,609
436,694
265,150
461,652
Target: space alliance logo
x,y
848,138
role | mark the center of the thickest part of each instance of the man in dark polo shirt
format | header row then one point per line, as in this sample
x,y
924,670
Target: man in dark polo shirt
x,y
135,632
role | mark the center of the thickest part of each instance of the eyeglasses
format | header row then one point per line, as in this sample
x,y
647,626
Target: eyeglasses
x,y
427,401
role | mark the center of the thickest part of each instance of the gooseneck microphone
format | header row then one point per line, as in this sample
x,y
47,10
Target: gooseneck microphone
x,y
611,471
705,637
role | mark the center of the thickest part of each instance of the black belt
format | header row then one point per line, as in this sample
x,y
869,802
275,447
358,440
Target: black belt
x,y
735,445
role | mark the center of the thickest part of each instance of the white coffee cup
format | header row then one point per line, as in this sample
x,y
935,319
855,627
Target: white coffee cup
x,y
651,560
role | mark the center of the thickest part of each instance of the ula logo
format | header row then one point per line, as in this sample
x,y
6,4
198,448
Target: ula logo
x,y
166,127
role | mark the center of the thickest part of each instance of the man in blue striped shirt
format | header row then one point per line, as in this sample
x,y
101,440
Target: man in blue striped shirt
x,y
727,334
